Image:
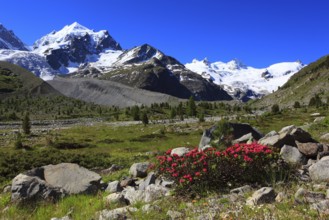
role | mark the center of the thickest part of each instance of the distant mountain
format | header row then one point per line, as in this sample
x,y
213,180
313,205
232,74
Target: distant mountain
x,y
73,45
245,82
15,80
302,86
8,40
148,68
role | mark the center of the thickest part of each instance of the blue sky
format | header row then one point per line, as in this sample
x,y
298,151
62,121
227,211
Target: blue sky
x,y
257,32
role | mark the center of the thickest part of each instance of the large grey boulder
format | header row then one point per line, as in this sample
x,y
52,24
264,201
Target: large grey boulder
x,y
53,182
309,149
261,196
319,172
139,169
73,178
292,155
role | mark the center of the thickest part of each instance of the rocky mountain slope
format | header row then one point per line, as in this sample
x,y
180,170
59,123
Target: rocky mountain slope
x,y
245,82
109,93
308,82
15,80
147,68
8,40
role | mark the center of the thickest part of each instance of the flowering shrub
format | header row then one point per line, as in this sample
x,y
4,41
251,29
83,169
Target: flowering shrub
x,y
210,169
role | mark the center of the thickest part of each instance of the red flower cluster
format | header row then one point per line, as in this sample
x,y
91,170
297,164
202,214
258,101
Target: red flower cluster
x,y
212,166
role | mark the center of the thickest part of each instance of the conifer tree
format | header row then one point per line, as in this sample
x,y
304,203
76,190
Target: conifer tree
x,y
26,125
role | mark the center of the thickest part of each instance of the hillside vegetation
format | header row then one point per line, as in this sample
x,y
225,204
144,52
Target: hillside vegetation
x,y
15,80
308,83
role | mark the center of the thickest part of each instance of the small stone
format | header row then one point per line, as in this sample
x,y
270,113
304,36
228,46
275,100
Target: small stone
x,y
325,137
63,218
180,151
304,196
322,207
115,198
148,208
174,215
281,197
113,187
7,189
261,196
320,187
242,189
127,182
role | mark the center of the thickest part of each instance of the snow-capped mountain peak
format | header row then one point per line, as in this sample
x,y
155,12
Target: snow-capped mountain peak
x,y
235,64
244,81
74,45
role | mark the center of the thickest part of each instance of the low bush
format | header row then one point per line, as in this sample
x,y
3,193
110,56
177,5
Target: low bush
x,y
200,171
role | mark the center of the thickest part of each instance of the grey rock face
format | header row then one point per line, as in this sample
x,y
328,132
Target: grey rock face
x,y
261,196
292,155
73,178
139,169
319,172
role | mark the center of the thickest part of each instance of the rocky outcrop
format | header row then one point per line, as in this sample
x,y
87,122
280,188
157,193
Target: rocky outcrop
x,y
53,182
287,135
139,169
238,131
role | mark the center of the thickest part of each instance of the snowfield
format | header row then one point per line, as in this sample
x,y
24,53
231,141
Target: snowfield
x,y
234,75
